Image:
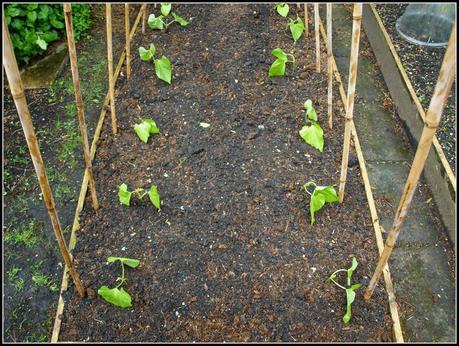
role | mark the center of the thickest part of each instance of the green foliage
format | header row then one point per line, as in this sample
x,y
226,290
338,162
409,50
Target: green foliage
x,y
312,134
116,296
160,22
180,20
33,26
166,8
163,66
296,28
27,236
320,196
145,128
125,195
350,290
282,9
277,68
12,273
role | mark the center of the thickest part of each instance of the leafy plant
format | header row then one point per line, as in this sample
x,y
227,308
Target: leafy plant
x,y
312,134
125,195
282,9
33,26
145,128
319,196
277,68
116,296
160,22
296,28
350,290
163,66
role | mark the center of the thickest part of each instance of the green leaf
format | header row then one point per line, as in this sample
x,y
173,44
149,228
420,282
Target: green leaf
x,y
147,54
124,195
317,202
296,28
155,22
163,69
32,16
277,68
56,23
115,296
350,271
50,36
166,8
328,192
17,24
153,128
131,262
154,197
32,7
350,297
313,135
13,11
310,111
42,43
279,54
44,12
143,131
180,20
282,9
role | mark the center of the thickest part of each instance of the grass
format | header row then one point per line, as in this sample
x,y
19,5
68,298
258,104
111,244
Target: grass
x,y
13,272
26,236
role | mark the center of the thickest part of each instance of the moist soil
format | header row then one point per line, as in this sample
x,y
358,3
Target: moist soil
x,y
231,256
423,65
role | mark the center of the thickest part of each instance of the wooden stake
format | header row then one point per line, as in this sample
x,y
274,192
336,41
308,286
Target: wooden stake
x,y
357,19
111,84
79,101
316,30
441,93
306,22
128,41
17,91
329,65
144,18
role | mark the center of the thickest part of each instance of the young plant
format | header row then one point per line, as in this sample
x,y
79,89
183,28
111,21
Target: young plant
x,y
296,28
125,195
282,9
350,290
115,296
163,66
145,128
319,196
160,22
312,134
278,66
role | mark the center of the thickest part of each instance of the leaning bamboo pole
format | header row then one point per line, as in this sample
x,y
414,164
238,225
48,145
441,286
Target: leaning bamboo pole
x,y
329,65
144,18
128,41
357,19
306,22
445,81
17,91
79,100
316,30
111,84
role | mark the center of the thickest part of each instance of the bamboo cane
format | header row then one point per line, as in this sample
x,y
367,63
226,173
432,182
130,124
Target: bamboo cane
x,y
316,30
128,41
111,86
17,91
329,65
306,22
441,93
144,18
79,101
357,19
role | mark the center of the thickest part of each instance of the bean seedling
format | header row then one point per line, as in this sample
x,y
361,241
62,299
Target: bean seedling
x,y
350,291
163,66
125,195
160,23
296,28
278,66
115,296
282,9
319,196
312,134
145,128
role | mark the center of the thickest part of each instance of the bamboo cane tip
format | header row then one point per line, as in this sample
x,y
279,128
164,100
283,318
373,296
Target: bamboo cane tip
x,y
367,295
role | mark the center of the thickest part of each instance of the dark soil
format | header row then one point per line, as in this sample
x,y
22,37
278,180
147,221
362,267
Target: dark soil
x,y
29,311
232,255
423,65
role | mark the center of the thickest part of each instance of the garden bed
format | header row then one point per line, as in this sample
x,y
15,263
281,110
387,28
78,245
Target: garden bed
x,y
232,255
